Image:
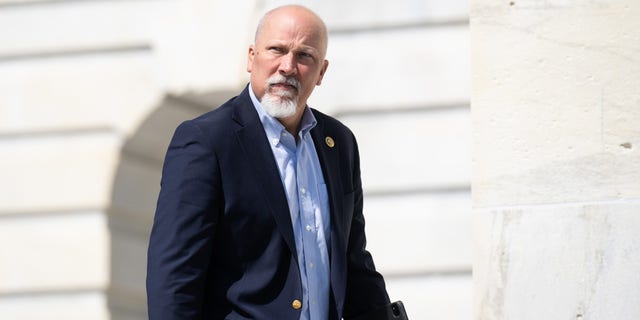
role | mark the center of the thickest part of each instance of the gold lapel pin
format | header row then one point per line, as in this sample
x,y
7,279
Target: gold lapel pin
x,y
329,141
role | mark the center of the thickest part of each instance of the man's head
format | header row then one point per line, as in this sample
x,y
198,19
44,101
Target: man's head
x,y
287,59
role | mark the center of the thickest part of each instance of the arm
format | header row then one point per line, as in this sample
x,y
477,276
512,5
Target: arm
x,y
365,286
181,239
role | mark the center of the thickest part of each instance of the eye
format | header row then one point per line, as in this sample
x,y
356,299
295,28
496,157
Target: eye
x,y
276,49
305,55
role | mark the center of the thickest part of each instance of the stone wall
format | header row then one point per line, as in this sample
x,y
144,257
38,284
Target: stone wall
x,y
556,182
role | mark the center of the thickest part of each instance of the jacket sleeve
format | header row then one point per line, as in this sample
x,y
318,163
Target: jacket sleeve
x,y
181,239
365,286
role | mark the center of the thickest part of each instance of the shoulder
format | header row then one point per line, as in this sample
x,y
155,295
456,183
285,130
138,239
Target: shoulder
x,y
217,124
343,138
211,130
331,125
219,117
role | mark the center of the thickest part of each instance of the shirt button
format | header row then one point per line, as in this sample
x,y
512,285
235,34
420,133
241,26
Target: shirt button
x,y
296,304
275,141
309,228
303,190
311,265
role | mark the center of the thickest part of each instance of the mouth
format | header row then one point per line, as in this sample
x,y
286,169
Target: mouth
x,y
283,86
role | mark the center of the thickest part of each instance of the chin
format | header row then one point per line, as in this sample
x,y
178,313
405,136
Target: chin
x,y
278,106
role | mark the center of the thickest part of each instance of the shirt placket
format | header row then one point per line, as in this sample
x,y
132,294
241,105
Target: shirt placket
x,y
308,223
296,201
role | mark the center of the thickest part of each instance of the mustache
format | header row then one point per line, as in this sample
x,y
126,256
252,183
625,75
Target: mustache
x,y
275,79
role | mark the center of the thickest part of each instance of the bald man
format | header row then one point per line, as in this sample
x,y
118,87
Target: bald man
x,y
260,209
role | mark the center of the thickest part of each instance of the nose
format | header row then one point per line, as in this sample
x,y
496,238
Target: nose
x,y
287,65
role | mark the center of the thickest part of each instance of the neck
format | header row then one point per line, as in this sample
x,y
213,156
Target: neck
x,y
292,123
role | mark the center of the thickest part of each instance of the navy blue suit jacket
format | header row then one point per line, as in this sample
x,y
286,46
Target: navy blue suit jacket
x,y
222,243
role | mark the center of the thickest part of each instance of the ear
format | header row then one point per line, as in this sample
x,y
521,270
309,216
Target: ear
x,y
325,65
251,54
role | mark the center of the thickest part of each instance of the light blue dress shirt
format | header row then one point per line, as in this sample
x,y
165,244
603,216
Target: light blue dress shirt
x,y
308,201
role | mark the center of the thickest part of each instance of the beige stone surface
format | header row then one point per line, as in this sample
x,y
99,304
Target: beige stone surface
x,y
73,306
202,45
45,254
555,96
395,69
185,36
362,14
53,173
63,26
433,296
420,149
567,261
104,90
421,232
556,174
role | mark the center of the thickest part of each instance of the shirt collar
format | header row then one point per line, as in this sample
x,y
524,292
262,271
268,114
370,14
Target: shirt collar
x,y
273,127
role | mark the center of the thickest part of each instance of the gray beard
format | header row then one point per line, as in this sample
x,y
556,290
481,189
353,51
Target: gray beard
x,y
279,107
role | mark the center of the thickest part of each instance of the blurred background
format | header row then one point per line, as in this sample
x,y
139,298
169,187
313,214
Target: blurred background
x,y
91,92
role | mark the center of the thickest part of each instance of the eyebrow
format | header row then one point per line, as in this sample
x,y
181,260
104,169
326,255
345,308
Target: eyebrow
x,y
305,48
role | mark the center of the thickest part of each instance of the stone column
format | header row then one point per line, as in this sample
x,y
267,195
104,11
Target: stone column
x,y
556,173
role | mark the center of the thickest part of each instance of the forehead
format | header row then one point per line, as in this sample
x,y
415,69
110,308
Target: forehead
x,y
307,30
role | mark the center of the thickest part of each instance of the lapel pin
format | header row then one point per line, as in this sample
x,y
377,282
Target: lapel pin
x,y
329,141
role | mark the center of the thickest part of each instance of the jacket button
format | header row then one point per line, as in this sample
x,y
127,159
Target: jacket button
x,y
296,304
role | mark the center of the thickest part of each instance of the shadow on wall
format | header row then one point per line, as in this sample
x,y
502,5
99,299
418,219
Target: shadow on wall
x,y
134,194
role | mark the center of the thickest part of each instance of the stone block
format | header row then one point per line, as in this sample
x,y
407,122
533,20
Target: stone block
x,y
45,173
395,69
56,26
421,149
555,87
416,233
102,90
53,253
67,306
560,261
203,45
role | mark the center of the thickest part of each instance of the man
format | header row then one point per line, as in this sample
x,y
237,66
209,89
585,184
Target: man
x,y
260,210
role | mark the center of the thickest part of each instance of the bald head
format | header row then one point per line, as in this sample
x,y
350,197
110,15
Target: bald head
x,y
296,14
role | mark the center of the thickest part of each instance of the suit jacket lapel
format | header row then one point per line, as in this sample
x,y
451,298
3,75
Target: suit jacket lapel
x,y
255,144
